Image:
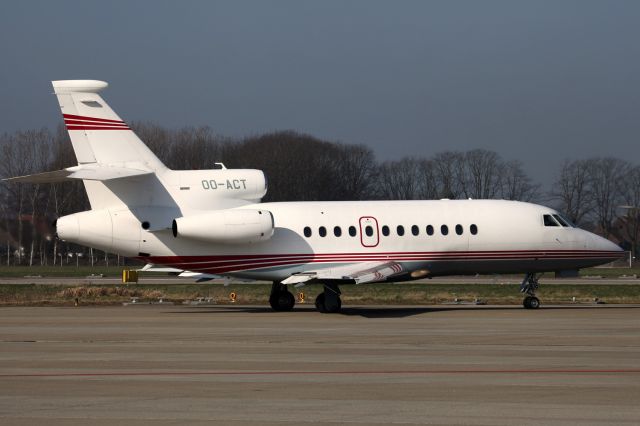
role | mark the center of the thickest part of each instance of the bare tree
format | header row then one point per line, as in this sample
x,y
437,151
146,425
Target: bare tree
x,y
355,167
482,174
24,153
449,172
606,176
399,180
426,175
516,184
573,190
630,221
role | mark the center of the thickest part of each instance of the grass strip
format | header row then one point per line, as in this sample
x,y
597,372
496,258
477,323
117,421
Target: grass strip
x,y
392,294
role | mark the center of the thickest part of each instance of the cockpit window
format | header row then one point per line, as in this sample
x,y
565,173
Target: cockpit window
x,y
571,224
550,221
561,220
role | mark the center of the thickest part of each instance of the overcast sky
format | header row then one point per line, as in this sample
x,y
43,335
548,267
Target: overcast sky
x,y
538,80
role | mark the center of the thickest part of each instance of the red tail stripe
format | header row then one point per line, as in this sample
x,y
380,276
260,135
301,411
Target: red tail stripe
x,y
96,128
81,117
91,123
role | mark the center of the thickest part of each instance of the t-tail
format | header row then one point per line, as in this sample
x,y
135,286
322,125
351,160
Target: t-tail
x,y
135,199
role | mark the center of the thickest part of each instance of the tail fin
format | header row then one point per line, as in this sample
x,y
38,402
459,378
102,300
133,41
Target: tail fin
x,y
106,148
97,133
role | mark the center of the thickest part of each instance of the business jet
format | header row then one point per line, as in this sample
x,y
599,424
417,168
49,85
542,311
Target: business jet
x,y
206,223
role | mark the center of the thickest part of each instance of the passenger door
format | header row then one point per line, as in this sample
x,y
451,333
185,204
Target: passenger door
x,y
369,231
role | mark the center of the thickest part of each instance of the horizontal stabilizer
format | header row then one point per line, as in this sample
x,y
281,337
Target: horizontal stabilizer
x,y
93,171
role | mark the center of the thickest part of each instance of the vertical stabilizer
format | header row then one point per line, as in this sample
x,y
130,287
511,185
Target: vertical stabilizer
x,y
99,136
97,133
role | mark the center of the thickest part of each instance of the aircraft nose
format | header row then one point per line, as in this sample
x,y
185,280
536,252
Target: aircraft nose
x,y
599,243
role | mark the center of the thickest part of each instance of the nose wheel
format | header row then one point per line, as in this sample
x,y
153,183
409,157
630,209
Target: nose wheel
x,y
531,302
529,286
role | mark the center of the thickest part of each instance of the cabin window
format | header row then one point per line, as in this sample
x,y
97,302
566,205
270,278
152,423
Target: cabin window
x,y
444,230
337,231
429,230
307,231
459,229
473,229
415,230
322,231
352,231
549,220
400,230
385,230
368,230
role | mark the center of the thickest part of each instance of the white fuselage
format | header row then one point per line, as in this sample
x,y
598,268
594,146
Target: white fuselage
x,y
510,237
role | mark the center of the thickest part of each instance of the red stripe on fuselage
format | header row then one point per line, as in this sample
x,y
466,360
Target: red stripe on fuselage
x,y
222,264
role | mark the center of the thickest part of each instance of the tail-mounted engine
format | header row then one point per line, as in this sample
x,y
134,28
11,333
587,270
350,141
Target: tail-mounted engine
x,y
236,226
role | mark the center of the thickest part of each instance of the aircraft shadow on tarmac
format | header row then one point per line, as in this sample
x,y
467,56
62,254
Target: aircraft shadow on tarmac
x,y
387,311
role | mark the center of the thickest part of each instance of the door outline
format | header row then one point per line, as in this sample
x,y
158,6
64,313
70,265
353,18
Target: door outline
x,y
376,233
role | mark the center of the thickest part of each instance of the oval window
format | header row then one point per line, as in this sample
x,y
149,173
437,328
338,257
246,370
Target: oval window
x,y
444,230
400,230
474,229
429,230
385,230
337,231
459,229
415,230
307,231
352,231
368,230
322,231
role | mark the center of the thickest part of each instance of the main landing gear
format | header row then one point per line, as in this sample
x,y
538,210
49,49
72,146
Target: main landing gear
x,y
281,299
328,302
529,286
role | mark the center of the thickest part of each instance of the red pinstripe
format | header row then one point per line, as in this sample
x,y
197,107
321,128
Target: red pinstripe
x,y
79,122
222,264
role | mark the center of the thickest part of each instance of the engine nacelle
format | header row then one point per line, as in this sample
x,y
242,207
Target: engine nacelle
x,y
109,230
238,226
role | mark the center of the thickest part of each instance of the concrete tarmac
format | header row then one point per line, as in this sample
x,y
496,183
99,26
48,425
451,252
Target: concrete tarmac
x,y
246,365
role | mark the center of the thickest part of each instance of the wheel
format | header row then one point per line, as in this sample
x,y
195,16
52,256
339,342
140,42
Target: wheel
x,y
282,301
531,302
321,305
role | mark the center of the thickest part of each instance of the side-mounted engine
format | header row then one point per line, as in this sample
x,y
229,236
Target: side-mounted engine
x,y
235,226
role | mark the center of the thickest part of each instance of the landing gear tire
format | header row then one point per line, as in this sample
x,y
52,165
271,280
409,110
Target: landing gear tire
x,y
531,302
281,299
529,286
323,307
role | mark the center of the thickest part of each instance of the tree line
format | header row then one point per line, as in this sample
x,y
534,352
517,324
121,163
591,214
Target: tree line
x,y
599,194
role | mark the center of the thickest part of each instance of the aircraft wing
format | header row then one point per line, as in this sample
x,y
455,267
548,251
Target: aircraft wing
x,y
358,273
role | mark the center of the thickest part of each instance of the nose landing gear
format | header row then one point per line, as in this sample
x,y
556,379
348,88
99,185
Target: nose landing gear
x,y
529,286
